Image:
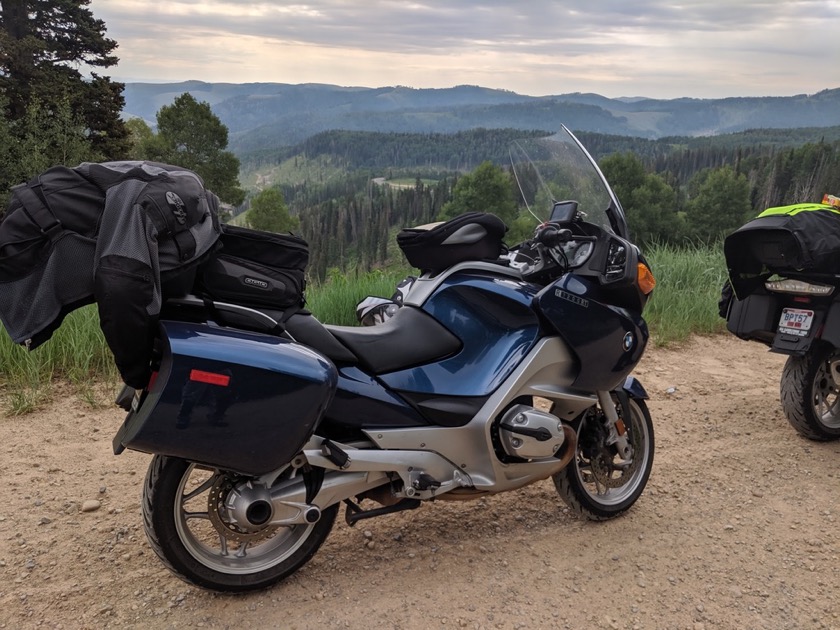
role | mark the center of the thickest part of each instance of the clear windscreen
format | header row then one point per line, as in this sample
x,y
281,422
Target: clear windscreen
x,y
554,170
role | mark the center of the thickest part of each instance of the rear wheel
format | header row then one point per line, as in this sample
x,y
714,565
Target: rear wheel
x,y
598,484
810,393
185,519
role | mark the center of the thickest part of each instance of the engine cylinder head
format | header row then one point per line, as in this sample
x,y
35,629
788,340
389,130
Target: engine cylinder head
x,y
529,433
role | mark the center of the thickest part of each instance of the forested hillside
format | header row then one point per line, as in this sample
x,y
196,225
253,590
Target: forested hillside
x,y
353,190
355,164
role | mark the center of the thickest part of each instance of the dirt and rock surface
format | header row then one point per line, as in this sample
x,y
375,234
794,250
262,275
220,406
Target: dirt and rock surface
x,y
738,528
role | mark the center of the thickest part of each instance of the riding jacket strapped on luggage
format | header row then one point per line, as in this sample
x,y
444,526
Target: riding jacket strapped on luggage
x,y
124,234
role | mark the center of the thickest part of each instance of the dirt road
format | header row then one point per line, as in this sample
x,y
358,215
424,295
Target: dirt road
x,y
738,528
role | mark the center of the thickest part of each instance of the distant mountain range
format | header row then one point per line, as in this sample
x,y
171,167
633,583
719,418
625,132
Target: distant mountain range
x,y
264,116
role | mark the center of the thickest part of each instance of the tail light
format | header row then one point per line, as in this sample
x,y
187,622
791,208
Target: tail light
x,y
798,287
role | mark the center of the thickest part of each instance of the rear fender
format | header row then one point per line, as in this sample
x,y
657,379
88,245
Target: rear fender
x,y
756,318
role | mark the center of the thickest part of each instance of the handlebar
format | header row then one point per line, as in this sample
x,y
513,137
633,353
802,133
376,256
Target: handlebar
x,y
552,236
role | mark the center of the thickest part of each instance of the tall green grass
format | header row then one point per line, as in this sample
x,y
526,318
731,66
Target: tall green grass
x,y
76,353
688,284
684,303
334,301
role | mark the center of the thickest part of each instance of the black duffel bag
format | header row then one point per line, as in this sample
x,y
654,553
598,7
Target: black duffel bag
x,y
799,237
470,236
255,268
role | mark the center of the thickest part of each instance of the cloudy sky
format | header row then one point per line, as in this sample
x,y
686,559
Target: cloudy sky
x,y
697,48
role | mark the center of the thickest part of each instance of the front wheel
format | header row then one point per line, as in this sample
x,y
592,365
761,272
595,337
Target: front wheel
x,y
598,484
810,395
184,515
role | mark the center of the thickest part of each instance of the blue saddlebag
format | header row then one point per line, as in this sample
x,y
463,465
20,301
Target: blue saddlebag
x,y
236,400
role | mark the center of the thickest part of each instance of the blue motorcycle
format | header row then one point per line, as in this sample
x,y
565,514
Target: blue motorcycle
x,y
496,371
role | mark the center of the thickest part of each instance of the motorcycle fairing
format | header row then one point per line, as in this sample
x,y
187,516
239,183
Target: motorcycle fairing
x,y
463,458
361,400
546,372
447,411
607,340
493,319
237,400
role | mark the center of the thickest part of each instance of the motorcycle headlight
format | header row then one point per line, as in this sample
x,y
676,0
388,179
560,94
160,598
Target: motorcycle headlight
x,y
798,287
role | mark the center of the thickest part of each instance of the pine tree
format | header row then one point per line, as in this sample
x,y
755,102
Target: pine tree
x,y
720,203
269,212
192,136
43,43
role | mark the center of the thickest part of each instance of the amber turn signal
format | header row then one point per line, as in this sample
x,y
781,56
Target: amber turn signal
x,y
645,279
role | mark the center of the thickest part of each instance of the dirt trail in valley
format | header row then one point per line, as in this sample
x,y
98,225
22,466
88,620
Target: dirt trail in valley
x,y
737,529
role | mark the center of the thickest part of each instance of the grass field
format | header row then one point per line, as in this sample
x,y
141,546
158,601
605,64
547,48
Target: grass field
x,y
684,303
688,285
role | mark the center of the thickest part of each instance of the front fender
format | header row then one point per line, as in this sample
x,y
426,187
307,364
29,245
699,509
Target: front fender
x,y
634,388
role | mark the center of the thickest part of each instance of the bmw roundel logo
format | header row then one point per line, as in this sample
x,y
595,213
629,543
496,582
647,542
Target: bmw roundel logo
x,y
629,339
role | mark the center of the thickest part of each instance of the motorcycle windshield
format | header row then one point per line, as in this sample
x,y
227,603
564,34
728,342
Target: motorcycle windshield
x,y
550,172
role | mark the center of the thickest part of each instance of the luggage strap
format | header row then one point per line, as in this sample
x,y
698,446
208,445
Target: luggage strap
x,y
37,209
165,221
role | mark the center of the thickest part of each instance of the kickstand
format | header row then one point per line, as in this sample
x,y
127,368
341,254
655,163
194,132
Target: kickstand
x,y
354,512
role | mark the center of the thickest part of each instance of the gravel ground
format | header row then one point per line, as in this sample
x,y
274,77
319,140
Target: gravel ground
x,y
737,529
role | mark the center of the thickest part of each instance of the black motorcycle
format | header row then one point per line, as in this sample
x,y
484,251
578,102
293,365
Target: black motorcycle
x,y
784,291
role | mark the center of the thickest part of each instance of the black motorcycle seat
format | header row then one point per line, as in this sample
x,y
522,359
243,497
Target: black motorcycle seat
x,y
305,328
410,338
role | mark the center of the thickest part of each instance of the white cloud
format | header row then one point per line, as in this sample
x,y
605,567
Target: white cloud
x,y
702,48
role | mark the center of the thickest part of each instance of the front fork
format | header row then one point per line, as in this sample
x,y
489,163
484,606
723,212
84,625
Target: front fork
x,y
615,425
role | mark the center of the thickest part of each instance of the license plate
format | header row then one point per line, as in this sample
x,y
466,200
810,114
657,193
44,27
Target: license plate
x,y
796,321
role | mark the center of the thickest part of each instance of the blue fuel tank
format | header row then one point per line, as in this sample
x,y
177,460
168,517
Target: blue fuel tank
x,y
497,326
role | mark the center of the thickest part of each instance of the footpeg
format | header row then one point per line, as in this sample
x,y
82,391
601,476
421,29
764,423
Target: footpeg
x,y
425,481
332,452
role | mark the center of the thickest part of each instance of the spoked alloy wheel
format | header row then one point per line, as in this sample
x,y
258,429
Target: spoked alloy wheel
x,y
597,483
810,394
187,525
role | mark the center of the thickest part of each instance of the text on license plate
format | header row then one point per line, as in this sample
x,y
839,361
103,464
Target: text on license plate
x,y
796,321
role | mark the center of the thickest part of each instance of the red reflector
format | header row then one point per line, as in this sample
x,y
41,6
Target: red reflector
x,y
802,299
210,377
152,381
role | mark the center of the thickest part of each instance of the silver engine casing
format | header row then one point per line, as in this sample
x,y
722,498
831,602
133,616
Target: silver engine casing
x,y
530,433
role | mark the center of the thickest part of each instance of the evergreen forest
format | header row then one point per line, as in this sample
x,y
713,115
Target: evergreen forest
x,y
352,191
